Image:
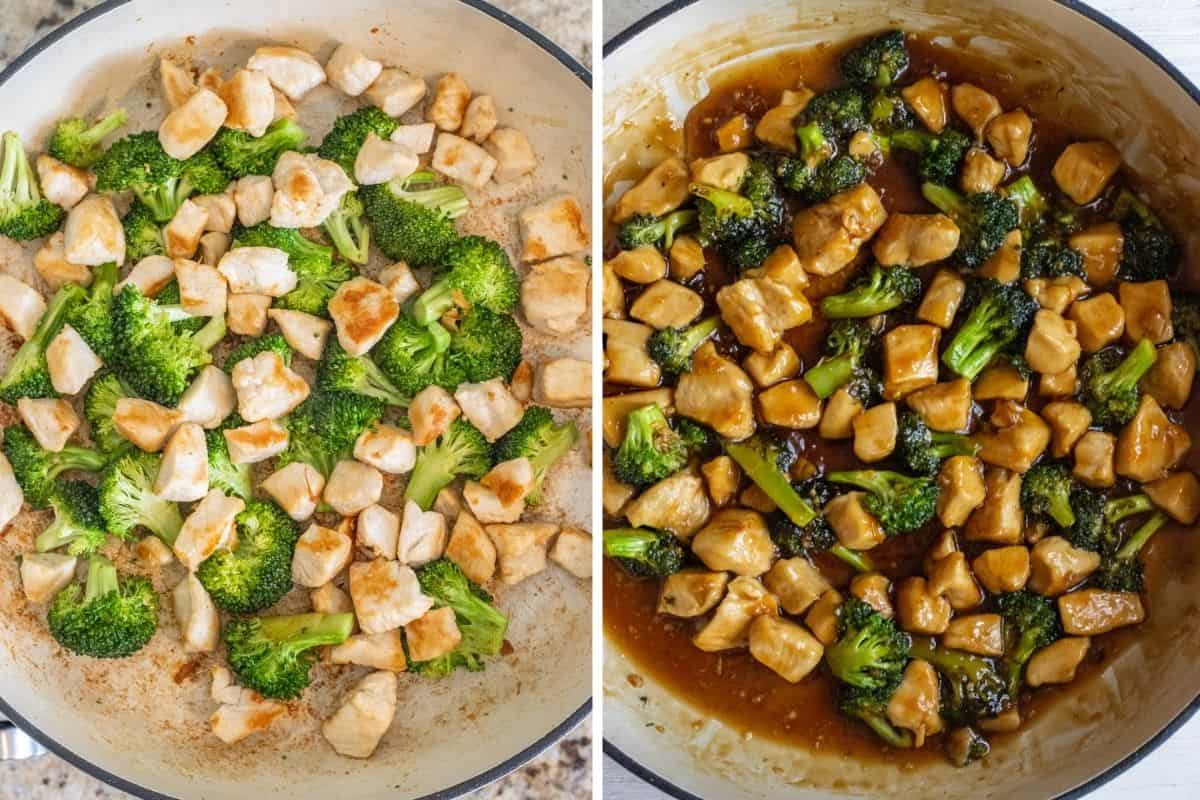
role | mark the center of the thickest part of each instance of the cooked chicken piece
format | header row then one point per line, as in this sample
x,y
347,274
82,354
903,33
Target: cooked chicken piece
x,y
257,270
61,184
1009,135
864,147
735,133
321,553
1084,169
563,383
1068,422
396,91
797,584
329,599
187,129
1091,612
383,651
910,359
617,408
942,299
1052,346
1057,662
873,588
919,609
717,393
350,71
1056,566
768,369
572,550
450,102
915,239
784,647
981,634
791,404
1005,263
92,234
243,712
691,592
51,263
1001,381
554,294
387,448
513,153
399,280
208,528
146,424
353,486
686,258
430,414
554,227
927,97
377,532
855,527
267,388
52,422
308,189
250,101
254,195
1178,494
386,595
199,625
1147,308
626,357
210,399
521,548
305,333
1101,247
1151,444
1000,519
724,171
662,190
643,264
822,617
678,504
1002,569
183,471
422,536
44,575
666,304
178,84
735,540
251,444
362,311
981,172
1170,380
974,106
11,496
729,627
358,725
290,70
783,265
463,161
837,422
433,635
755,498
490,407
827,236
380,161
944,406
213,247
21,306
500,495
777,127
296,488
1056,294
722,477
916,703
1099,321
1019,438
960,489
449,504
153,552
950,576
944,544
875,432
1094,455
760,309
70,362
472,549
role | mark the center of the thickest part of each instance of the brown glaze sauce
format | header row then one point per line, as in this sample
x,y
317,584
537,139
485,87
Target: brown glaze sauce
x,y
732,685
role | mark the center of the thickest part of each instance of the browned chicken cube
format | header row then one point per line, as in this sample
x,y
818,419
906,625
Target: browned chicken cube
x,y
768,369
951,577
873,589
1099,321
855,527
778,126
981,172
1151,444
745,600
725,171
686,258
1147,308
944,406
822,618
1094,459
1000,519
797,584
927,98
760,310
1084,169
1170,380
691,592
1002,569
613,294
1101,247
1019,438
1178,494
1059,384
1091,612
919,609
842,408
915,239
1005,263
910,359
626,358
662,190
717,393
827,236
791,404
974,106
875,432
1009,135
1056,294
1001,381
1052,346
722,476
1057,662
735,540
960,489
666,304
981,634
616,494
942,299
916,703
736,133
1068,422
1055,566
784,647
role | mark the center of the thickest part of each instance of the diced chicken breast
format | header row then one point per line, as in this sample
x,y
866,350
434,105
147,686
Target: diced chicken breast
x,y
380,161
1057,662
44,575
1009,135
554,227
450,102
51,421
213,246
351,72
11,496
305,333
251,444
1017,438
51,263
417,138
915,239
396,91
563,383
243,712
70,361
358,725
472,549
308,189
61,184
266,387
210,399
146,424
183,472
352,487
378,531
221,208
254,195
329,599
422,536
1150,445
399,280
178,84
717,393
479,120
500,495
735,540
910,359
321,553
724,171
290,70
297,489
729,627
208,528
430,414
919,609
93,234
854,526
760,309
377,651
662,190
246,314
1147,306
960,489
258,270
1000,519
362,311
572,550
1002,569
150,275
927,97
490,407
202,289
1091,612
521,548
199,625
554,294
386,595
1178,495
1055,565
626,356
187,129
981,172
784,647
643,264
828,236
916,703
153,552
1083,169
433,635
463,161
691,592
250,100
21,306
387,448
513,153
974,106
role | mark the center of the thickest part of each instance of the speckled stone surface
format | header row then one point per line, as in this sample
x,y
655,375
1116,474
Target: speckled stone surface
x,y
565,771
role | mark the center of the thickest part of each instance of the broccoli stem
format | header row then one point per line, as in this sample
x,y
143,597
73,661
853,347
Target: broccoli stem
x,y
305,631
696,335
768,477
946,200
1126,374
859,562
349,233
1122,507
900,739
433,303
1137,541
831,374
16,177
211,334
814,147
450,200
726,203
628,542
1031,203
101,578
93,135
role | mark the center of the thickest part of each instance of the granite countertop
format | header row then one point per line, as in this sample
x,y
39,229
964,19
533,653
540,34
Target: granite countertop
x,y
565,771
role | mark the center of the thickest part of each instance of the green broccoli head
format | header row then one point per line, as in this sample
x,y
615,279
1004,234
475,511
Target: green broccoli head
x,y
651,449
1033,208
984,219
273,655
1046,489
143,236
232,479
839,112
110,618
882,289
972,686
870,706
412,220
341,372
77,524
1000,314
139,164
481,624
24,213
1121,571
241,154
1109,383
36,469
258,572
92,318
1047,256
746,224
765,459
832,177
1150,252
128,501
641,230
272,342
538,439
1030,623
486,345
817,536
323,429
901,503
348,230
847,347
79,144
318,273
644,552
28,374
672,348
879,61
889,114
350,132
870,652
461,450
415,356
480,272
1185,319
99,406
923,450
939,156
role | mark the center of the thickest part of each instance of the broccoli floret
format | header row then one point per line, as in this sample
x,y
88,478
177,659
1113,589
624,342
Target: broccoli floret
x,y
832,177
76,143
24,213
241,154
154,359
170,301
651,449
901,503
481,624
128,501
870,706
1096,519
870,652
1000,315
92,318
77,524
1185,319
461,450
110,618
413,219
350,132
35,468
1046,256
1030,623
745,224
879,61
143,236
1122,571
1150,252
28,375
318,274
272,342
882,289
341,372
984,220
258,572
322,430
672,348
1046,490
815,537
538,439
348,230
846,350
99,406
765,462
138,163
889,113
202,174
644,229
838,112
1108,383
232,479
643,552
940,155
416,356
273,655
1032,205
923,450
486,346
972,687
480,271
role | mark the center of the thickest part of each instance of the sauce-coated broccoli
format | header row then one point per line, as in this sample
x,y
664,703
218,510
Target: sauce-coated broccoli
x,y
846,349
870,706
24,213
273,655
1046,489
644,552
642,229
110,618
1000,314
481,624
972,686
1149,252
672,348
1030,623
258,571
879,61
939,155
461,450
651,450
870,652
765,461
1122,571
817,536
984,219
880,289
1097,519
923,450
1108,383
901,503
